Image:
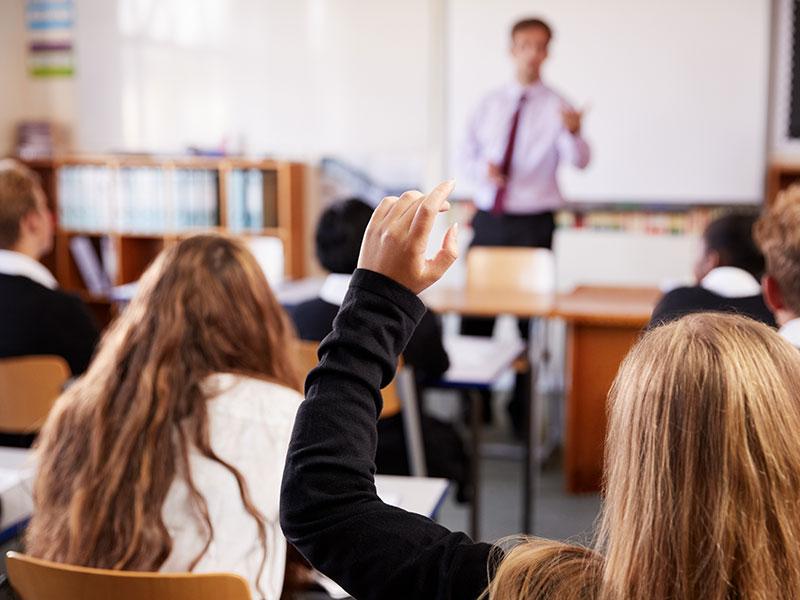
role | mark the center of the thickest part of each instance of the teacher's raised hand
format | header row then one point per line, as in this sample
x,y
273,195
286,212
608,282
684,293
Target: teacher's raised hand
x,y
397,236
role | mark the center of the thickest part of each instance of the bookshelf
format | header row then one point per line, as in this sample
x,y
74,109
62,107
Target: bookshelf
x,y
780,175
131,207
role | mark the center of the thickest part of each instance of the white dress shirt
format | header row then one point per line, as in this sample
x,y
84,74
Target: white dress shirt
x,y
541,143
250,423
16,263
791,332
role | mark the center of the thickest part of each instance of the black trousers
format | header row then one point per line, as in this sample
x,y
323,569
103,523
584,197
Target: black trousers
x,y
529,231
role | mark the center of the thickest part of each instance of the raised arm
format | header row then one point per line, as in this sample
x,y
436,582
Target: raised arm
x,y
329,508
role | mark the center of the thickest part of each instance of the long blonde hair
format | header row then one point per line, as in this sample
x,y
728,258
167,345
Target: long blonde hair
x,y
116,440
702,476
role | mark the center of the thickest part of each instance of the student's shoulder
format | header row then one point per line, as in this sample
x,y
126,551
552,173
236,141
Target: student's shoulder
x,y
555,96
27,290
250,396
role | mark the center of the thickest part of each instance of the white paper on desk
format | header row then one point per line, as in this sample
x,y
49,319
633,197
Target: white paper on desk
x,y
479,360
15,491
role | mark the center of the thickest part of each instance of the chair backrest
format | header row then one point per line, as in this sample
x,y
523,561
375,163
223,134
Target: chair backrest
x,y
511,269
36,579
29,385
307,356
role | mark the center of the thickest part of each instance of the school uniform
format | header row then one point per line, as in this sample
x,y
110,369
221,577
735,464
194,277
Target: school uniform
x,y
444,448
38,318
791,332
425,351
724,289
250,422
329,509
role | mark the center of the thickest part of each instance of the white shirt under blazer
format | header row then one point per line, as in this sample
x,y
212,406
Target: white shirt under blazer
x,y
250,423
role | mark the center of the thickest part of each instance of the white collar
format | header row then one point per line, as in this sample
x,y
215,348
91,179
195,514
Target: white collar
x,y
731,282
16,263
334,288
791,332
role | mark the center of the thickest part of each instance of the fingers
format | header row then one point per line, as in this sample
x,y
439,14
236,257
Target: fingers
x,y
406,202
446,256
383,208
428,208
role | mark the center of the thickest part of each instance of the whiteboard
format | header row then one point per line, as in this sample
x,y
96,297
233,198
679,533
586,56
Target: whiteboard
x,y
677,91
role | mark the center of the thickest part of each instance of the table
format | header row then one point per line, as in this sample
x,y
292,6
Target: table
x,y
603,323
492,303
476,363
16,484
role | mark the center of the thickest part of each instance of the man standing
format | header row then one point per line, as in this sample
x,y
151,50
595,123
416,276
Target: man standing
x,y
516,139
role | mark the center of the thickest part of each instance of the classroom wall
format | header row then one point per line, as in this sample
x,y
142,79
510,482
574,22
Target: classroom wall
x,y
24,97
293,78
12,68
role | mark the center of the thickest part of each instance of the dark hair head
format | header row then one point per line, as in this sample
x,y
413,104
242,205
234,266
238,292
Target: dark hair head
x,y
339,232
531,24
731,236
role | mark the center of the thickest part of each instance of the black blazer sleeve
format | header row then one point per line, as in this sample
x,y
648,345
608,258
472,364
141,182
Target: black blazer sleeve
x,y
329,508
73,332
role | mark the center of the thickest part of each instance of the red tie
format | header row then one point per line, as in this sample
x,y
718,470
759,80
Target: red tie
x,y
505,166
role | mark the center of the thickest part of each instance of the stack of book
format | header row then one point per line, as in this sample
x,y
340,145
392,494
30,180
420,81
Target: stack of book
x,y
249,209
137,199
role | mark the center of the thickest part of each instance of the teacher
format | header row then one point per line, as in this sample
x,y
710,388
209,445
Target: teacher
x,y
517,137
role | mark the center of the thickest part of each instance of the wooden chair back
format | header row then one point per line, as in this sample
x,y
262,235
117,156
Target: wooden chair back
x,y
307,356
29,385
36,579
505,269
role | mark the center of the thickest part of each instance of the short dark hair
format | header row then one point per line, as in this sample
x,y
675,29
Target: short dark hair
x,y
339,233
731,236
531,23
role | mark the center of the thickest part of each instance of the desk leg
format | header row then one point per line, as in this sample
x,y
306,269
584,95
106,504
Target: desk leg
x,y
531,466
594,353
476,422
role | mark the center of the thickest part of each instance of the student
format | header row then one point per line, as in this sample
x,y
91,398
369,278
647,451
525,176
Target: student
x,y
702,467
37,317
727,274
777,233
338,240
167,454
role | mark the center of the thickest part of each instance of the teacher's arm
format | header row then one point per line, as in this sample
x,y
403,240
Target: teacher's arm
x,y
572,147
329,508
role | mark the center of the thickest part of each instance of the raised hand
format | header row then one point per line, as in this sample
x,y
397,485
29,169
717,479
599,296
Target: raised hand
x,y
397,236
495,175
572,119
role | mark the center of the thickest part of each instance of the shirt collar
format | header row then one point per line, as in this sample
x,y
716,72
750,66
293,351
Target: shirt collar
x,y
516,89
731,282
791,332
16,263
335,288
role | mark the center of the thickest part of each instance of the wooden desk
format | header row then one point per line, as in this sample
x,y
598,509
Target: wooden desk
x,y
602,325
484,303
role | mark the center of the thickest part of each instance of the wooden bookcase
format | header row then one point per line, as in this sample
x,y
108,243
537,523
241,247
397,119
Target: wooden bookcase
x,y
134,249
780,175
